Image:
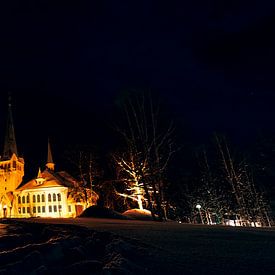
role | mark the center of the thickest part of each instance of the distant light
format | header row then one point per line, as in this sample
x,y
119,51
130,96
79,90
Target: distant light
x,y
198,206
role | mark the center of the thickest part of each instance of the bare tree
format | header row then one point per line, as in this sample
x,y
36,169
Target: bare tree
x,y
147,153
87,171
246,199
210,194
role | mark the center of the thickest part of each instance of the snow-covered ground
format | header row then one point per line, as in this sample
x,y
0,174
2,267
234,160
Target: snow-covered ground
x,y
106,246
33,248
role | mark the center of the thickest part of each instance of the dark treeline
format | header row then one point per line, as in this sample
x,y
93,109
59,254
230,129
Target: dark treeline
x,y
152,162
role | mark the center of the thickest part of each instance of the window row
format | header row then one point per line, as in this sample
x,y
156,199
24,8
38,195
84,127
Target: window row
x,y
39,198
7,166
40,209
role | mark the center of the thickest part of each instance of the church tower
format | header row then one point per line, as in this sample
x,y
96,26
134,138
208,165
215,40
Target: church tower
x,y
50,164
11,165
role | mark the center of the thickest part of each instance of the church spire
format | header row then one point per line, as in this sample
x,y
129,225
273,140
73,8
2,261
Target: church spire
x,y
50,163
39,175
10,146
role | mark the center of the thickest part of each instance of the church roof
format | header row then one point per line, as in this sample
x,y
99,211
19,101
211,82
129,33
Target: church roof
x,y
51,179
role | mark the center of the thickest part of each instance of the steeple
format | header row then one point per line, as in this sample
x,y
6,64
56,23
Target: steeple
x,y
50,164
39,180
39,175
10,146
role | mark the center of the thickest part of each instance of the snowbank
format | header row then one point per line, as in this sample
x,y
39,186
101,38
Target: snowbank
x,y
101,212
138,214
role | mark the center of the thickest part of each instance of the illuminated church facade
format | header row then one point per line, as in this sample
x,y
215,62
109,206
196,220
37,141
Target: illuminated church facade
x,y
50,194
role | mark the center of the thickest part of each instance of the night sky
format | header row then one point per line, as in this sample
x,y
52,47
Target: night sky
x,y
67,63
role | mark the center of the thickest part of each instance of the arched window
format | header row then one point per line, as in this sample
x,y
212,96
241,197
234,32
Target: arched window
x,y
59,197
23,199
28,198
38,198
43,198
33,198
19,199
54,197
49,197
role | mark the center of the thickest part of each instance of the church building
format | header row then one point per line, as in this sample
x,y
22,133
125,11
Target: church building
x,y
50,194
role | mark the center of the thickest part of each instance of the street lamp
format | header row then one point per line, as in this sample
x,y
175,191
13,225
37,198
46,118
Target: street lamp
x,y
198,206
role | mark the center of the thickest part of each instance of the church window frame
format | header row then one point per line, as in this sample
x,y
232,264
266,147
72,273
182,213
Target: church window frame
x,y
54,197
23,199
58,197
33,198
38,198
43,198
49,197
19,200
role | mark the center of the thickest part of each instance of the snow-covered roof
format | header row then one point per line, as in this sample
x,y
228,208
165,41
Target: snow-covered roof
x,y
49,179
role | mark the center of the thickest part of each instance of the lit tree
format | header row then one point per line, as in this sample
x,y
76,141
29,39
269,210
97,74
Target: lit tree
x,y
131,174
148,150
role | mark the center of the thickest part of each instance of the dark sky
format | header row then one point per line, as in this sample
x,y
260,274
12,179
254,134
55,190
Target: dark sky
x,y
66,63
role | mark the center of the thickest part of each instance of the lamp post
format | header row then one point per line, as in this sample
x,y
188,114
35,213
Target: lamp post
x,y
198,206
